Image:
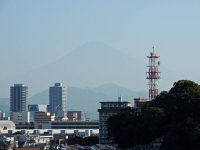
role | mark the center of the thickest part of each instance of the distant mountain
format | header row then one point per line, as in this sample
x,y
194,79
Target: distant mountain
x,y
87,66
114,90
40,98
91,65
87,99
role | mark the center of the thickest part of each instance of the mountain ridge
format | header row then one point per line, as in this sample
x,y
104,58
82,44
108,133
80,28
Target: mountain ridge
x,y
87,99
89,65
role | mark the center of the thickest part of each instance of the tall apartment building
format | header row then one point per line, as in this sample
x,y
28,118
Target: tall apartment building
x,y
107,110
57,100
18,99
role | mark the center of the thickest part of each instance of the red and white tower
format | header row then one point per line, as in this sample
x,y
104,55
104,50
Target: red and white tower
x,y
153,75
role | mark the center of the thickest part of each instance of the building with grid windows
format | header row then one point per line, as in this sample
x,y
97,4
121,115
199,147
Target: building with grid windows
x,y
107,110
18,99
57,100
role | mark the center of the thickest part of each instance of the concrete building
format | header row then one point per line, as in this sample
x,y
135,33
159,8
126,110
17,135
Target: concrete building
x,y
32,108
43,120
72,116
141,102
107,110
21,117
18,99
57,100
80,115
32,139
26,125
75,125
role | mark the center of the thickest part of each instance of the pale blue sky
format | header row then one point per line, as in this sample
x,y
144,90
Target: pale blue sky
x,y
34,33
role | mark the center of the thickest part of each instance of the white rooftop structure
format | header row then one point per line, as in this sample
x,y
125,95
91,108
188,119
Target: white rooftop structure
x,y
7,125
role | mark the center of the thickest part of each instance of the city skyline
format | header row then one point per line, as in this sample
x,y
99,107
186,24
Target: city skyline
x,y
64,64
41,32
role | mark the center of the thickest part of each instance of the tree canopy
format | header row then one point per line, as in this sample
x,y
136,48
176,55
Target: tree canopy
x,y
174,115
86,141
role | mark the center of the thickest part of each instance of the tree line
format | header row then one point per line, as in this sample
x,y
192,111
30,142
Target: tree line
x,y
174,115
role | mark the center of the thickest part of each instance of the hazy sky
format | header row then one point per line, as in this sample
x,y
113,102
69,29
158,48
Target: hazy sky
x,y
34,33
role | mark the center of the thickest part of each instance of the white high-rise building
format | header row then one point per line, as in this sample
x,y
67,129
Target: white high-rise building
x,y
57,100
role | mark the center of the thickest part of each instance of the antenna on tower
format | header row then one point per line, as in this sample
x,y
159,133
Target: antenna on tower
x,y
153,75
153,49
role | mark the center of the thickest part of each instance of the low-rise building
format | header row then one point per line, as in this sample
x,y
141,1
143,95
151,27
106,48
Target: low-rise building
x,y
80,115
141,102
75,125
107,110
7,125
20,117
43,120
72,116
32,108
27,125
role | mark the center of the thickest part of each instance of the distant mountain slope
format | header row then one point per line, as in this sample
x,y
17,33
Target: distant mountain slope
x,y
40,98
87,99
87,66
114,90
77,99
90,65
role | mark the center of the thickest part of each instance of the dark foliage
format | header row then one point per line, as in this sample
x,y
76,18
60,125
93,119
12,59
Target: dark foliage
x,y
174,114
87,141
90,140
74,139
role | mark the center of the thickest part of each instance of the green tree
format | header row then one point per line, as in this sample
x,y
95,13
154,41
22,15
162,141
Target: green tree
x,y
174,114
184,135
87,141
183,105
74,139
128,129
90,140
120,129
153,123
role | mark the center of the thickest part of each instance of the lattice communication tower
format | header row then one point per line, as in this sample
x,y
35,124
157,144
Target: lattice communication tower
x,y
153,75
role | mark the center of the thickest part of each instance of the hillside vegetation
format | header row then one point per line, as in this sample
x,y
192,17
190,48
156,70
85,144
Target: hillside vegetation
x,y
174,115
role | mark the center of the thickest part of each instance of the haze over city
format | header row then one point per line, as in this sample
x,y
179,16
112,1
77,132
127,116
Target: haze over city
x,y
35,35
99,75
